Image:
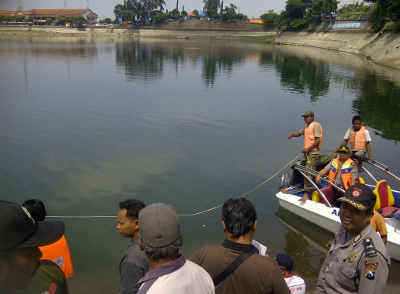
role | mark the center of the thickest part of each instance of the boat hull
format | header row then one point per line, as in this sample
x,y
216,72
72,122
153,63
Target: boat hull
x,y
328,219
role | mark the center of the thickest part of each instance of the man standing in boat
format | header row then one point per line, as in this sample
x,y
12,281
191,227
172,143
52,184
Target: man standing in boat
x,y
313,136
342,171
359,139
358,261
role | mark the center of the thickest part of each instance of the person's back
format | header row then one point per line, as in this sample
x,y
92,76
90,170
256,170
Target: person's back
x,y
49,278
257,274
190,278
236,266
57,252
170,272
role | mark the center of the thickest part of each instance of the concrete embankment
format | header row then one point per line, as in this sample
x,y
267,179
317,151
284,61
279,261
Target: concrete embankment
x,y
383,49
114,34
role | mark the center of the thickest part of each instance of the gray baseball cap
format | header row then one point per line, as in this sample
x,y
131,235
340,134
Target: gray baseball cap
x,y
308,113
158,225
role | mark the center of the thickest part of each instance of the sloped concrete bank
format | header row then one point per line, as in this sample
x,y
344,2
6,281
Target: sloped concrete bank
x,y
380,48
104,34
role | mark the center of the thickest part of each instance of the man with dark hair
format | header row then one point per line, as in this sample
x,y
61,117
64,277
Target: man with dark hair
x,y
36,209
57,252
170,272
357,261
236,267
19,254
359,138
133,264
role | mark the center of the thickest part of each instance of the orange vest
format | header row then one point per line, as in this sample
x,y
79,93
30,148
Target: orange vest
x,y
58,253
358,140
309,138
345,176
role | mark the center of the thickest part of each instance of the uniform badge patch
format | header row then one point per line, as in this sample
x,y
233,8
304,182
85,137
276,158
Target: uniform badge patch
x,y
370,269
358,237
356,192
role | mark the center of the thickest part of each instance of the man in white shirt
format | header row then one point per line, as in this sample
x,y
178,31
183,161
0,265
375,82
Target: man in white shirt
x,y
170,272
295,283
359,138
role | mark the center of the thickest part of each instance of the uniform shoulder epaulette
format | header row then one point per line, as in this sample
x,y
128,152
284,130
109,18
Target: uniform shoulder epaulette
x,y
370,250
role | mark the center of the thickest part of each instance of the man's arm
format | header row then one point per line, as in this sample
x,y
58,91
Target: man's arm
x,y
368,144
322,173
354,174
131,273
368,147
373,275
296,134
345,138
278,283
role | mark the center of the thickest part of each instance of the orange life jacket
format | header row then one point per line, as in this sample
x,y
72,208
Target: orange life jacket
x,y
358,140
309,138
58,253
345,176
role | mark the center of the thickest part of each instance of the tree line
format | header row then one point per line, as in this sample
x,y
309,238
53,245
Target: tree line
x,y
303,14
297,15
153,12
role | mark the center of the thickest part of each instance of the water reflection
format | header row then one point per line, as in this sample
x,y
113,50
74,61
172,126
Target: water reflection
x,y
379,105
304,243
140,61
301,75
145,61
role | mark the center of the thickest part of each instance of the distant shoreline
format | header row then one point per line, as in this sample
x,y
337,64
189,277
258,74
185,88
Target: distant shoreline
x,y
104,34
383,49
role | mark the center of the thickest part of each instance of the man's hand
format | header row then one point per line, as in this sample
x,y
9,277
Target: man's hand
x,y
318,179
306,150
289,137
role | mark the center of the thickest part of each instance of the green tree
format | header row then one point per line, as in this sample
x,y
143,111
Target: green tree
x,y
61,21
271,19
174,14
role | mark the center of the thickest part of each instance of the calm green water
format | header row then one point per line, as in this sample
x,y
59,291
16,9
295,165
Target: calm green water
x,y
86,125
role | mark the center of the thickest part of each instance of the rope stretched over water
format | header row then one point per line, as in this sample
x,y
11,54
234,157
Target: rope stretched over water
x,y
252,190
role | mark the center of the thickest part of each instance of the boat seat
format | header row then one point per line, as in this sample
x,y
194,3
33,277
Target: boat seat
x,y
384,195
389,211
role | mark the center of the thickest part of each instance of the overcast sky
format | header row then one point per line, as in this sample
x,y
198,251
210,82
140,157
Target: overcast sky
x,y
252,8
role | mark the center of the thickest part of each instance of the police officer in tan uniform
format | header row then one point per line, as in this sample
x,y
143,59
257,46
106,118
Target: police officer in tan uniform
x,y
358,261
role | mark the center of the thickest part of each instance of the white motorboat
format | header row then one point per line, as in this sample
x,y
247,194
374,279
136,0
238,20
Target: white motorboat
x,y
328,217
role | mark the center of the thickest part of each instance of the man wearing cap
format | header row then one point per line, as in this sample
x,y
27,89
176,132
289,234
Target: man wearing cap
x,y
357,262
133,264
57,252
313,136
342,171
295,283
19,254
170,272
235,265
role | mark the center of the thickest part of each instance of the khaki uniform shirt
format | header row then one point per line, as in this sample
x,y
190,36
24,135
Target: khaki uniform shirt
x,y
346,268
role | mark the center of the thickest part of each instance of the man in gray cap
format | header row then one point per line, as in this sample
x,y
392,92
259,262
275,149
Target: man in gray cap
x,y
20,236
313,136
170,272
357,261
